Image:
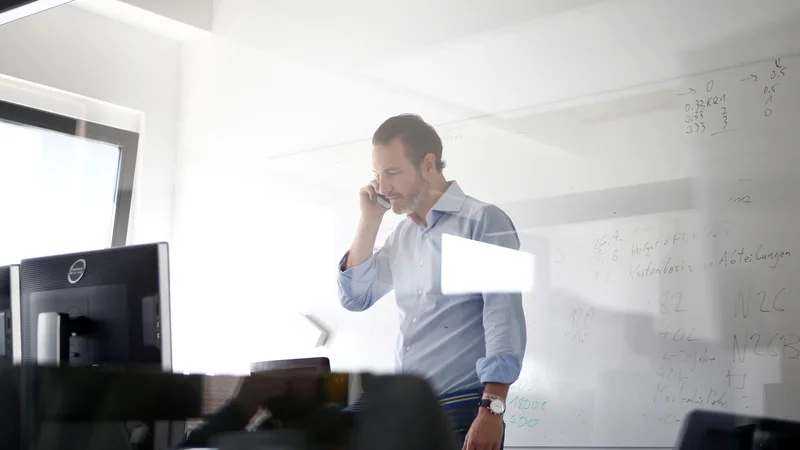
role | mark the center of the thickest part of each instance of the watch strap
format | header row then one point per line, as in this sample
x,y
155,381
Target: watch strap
x,y
487,403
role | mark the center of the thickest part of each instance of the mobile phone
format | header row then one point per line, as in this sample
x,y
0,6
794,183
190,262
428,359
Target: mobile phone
x,y
383,201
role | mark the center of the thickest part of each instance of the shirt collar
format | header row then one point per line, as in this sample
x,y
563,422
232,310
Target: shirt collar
x,y
452,200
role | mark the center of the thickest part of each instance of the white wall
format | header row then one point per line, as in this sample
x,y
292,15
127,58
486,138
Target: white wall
x,y
90,56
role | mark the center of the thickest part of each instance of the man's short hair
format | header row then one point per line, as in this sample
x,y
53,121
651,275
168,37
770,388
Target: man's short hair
x,y
418,137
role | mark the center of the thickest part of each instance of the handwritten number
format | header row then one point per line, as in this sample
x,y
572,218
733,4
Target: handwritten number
x,y
690,338
663,303
680,299
758,341
775,300
763,299
589,315
769,346
710,86
725,117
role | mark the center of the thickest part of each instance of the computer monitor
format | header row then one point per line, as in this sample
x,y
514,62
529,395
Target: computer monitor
x,y
9,312
108,307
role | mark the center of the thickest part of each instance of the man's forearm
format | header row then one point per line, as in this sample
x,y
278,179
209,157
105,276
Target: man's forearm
x,y
363,244
496,389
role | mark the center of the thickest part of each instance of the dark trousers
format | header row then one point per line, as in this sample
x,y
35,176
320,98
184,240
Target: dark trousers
x,y
462,417
461,409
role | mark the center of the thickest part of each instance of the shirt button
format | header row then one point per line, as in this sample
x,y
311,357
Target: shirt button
x,y
421,263
419,293
425,235
414,320
408,349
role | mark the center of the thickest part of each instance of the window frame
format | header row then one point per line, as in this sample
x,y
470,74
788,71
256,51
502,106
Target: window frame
x,y
126,141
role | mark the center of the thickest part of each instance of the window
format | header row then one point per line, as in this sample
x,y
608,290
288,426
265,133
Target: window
x,y
65,184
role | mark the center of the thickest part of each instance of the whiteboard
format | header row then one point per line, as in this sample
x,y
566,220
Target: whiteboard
x,y
664,224
671,295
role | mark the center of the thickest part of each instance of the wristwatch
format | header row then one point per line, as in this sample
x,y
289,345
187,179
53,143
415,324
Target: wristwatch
x,y
496,405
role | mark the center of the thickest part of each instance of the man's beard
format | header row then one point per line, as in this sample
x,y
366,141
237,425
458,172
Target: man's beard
x,y
414,199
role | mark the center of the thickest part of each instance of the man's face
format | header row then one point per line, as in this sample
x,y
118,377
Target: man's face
x,y
398,178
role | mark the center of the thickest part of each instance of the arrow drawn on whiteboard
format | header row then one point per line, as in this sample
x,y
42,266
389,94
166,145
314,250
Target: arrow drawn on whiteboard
x,y
751,77
561,255
691,91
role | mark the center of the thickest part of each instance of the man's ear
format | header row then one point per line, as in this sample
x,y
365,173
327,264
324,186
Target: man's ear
x,y
429,163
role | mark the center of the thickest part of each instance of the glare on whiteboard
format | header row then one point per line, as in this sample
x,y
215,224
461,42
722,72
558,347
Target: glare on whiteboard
x,y
470,266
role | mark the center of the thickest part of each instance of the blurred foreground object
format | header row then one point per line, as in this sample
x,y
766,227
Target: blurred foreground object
x,y
707,430
305,412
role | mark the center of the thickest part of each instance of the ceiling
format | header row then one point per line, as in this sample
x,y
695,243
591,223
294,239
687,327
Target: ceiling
x,y
369,31
480,57
460,59
488,57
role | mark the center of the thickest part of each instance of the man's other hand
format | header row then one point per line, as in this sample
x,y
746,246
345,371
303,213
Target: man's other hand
x,y
486,432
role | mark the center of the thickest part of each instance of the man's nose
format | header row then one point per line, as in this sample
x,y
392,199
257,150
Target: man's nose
x,y
383,188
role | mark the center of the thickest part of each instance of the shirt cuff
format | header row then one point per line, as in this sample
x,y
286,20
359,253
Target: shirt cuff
x,y
359,272
503,368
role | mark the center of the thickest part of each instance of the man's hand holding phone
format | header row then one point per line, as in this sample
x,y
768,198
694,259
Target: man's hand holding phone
x,y
371,217
373,205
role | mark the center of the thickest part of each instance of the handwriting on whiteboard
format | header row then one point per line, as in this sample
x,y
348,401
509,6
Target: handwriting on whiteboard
x,y
707,110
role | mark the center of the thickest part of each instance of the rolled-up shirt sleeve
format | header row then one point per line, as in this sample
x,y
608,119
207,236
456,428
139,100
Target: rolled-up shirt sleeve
x,y
363,285
503,315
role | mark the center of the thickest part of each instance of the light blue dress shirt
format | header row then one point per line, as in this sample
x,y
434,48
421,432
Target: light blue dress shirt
x,y
456,342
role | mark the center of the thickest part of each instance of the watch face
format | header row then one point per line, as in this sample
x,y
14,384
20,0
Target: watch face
x,y
497,406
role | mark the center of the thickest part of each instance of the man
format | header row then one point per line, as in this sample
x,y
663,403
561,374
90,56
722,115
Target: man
x,y
469,347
